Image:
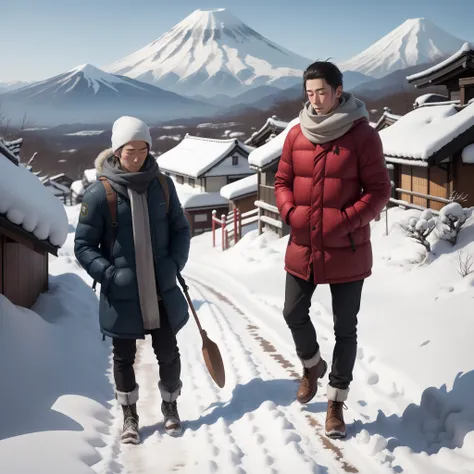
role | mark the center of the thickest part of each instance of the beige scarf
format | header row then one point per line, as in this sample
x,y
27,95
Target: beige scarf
x,y
325,128
144,260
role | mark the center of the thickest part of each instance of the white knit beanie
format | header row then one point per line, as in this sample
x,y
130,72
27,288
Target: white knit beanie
x,y
128,129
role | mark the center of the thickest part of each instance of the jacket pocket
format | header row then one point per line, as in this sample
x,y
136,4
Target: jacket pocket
x,y
351,240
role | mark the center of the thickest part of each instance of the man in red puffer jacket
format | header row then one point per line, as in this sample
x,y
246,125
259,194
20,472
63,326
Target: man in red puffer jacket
x,y
331,183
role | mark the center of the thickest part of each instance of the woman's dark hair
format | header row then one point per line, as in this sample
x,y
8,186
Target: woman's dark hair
x,y
323,70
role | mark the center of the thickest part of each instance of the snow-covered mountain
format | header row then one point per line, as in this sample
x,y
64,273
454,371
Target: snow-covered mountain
x,y
89,95
414,42
212,52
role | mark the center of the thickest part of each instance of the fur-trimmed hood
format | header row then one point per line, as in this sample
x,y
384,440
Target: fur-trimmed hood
x,y
101,157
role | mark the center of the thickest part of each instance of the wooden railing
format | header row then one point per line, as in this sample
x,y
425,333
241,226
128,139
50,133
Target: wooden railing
x,y
231,225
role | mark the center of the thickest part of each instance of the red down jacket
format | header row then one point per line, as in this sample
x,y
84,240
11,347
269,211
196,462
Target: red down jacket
x,y
329,194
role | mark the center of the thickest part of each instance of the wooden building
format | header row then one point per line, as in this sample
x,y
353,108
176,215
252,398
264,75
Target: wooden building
x,y
455,73
241,194
428,147
386,119
271,129
264,160
14,146
23,256
200,167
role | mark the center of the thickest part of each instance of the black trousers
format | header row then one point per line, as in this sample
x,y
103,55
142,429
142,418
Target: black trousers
x,y
345,305
166,351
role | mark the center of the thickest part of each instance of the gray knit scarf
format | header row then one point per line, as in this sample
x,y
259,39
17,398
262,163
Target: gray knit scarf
x,y
134,186
325,128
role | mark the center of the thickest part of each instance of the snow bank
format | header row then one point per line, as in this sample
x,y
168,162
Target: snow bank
x,y
265,154
426,130
85,133
239,188
55,384
27,203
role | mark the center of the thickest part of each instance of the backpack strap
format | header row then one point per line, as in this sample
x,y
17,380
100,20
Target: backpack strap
x,y
111,196
164,184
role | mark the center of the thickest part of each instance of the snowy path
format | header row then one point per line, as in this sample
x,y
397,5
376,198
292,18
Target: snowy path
x,y
253,425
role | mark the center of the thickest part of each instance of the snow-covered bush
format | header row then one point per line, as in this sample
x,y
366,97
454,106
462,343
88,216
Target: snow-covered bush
x,y
419,228
452,218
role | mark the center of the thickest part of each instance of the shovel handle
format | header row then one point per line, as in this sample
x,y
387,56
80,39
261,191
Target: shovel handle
x,y
188,298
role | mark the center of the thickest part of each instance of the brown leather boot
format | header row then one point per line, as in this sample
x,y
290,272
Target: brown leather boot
x,y
335,426
309,383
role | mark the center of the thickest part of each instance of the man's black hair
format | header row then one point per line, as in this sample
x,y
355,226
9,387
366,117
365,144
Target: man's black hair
x,y
323,70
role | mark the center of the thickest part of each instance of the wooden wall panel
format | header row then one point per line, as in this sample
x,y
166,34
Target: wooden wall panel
x,y
405,182
420,184
25,274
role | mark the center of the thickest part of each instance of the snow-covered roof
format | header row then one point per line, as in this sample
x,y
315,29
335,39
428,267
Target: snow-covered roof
x,y
91,175
272,123
424,131
438,67
14,145
27,203
7,153
271,150
193,198
240,188
193,156
429,98
77,188
386,117
468,154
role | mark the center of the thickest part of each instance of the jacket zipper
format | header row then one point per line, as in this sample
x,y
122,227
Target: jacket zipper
x,y
349,234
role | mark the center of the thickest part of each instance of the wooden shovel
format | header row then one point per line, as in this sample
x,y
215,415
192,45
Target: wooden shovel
x,y
210,351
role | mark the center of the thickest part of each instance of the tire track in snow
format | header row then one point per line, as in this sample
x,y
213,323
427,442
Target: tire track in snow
x,y
284,420
290,369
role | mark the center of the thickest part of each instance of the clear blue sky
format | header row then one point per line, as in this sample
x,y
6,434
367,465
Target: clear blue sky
x,y
41,38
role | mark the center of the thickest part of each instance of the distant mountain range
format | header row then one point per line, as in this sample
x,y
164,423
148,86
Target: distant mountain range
x,y
88,95
212,64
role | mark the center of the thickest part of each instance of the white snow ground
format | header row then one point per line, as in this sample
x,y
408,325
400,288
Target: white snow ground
x,y
409,410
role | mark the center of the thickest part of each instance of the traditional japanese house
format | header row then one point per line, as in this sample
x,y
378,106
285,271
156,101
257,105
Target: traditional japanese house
x,y
272,128
265,161
430,146
200,167
30,230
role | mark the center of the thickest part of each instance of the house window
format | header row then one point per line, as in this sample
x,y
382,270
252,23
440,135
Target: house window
x,y
235,160
200,217
179,179
191,182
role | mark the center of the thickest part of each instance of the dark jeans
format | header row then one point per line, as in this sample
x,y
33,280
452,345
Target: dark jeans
x,y
345,305
167,354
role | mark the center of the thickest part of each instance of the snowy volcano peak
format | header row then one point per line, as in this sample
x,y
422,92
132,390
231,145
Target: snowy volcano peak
x,y
212,52
218,18
94,76
416,41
